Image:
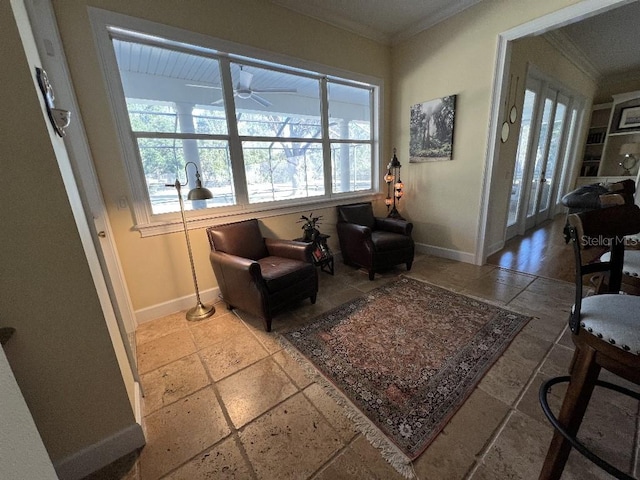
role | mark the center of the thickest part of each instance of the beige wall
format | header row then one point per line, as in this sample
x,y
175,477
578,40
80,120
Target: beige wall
x,y
457,56
61,354
156,268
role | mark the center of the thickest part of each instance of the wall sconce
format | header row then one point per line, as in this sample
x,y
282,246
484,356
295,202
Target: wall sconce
x,y
200,311
630,152
395,187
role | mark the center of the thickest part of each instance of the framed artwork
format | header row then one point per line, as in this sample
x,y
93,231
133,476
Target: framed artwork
x,y
431,130
630,118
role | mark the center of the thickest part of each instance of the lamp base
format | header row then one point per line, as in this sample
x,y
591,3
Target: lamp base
x,y
200,312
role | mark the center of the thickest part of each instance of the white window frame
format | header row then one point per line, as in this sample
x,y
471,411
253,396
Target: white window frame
x,y
105,23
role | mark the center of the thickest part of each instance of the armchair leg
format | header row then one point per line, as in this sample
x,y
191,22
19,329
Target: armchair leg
x,y
371,274
313,298
409,265
267,324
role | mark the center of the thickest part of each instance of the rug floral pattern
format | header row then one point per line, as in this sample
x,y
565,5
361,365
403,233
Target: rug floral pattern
x,y
408,354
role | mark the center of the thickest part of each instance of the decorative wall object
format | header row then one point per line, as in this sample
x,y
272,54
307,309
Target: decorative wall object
x,y
431,127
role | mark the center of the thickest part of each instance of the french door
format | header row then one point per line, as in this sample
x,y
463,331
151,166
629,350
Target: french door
x,y
547,128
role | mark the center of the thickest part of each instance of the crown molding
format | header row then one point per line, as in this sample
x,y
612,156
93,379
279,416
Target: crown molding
x,y
432,20
567,47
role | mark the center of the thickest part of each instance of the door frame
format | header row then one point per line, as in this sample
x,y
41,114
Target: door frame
x,y
105,265
545,23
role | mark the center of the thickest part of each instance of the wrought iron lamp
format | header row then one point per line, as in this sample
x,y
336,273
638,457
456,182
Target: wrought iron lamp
x,y
395,187
630,152
200,311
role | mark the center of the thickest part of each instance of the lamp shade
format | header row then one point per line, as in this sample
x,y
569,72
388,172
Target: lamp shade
x,y
630,149
199,193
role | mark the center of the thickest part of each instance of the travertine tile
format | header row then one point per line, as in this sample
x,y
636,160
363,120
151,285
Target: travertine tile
x,y
491,290
519,450
160,327
224,359
223,462
562,291
178,432
291,441
345,467
172,382
371,457
334,413
254,390
222,329
163,350
537,304
292,368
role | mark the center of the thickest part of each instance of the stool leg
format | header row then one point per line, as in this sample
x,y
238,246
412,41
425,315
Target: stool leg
x,y
584,373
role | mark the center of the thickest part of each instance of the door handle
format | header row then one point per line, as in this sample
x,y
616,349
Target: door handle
x,y
101,234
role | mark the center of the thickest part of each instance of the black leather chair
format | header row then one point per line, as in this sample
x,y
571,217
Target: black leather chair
x,y
374,243
605,330
260,275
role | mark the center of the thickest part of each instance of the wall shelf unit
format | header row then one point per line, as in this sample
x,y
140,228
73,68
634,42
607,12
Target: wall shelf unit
x,y
609,129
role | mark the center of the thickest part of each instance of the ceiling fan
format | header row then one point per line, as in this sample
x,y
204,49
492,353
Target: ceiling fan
x,y
244,90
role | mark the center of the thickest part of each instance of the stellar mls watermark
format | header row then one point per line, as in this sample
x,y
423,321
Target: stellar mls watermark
x,y
602,241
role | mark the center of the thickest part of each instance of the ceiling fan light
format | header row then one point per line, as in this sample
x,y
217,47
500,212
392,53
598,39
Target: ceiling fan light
x,y
243,94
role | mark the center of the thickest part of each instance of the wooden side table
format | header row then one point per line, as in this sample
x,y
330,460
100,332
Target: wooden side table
x,y
322,255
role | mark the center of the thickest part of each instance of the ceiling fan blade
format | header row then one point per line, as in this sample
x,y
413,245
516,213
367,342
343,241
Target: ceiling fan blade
x,y
218,102
262,101
216,87
275,90
244,82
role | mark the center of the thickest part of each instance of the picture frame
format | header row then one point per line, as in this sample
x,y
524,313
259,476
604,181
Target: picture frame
x,y
431,130
629,118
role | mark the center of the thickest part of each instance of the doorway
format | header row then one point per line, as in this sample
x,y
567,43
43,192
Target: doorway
x,y
549,115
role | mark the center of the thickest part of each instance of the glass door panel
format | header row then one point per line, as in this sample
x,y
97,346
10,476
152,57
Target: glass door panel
x,y
540,162
522,154
555,145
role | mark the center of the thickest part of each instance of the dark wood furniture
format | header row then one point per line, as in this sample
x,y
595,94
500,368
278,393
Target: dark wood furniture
x,y
320,252
605,330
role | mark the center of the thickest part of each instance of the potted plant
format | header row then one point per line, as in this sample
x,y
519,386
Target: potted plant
x,y
310,227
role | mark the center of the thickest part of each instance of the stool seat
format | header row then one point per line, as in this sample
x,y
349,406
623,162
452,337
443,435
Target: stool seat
x,y
631,266
614,318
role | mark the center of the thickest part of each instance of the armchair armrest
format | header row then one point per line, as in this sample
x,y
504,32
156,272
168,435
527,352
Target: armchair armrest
x,y
354,232
394,225
289,249
235,269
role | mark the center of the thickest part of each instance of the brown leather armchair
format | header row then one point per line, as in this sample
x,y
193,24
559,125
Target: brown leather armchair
x,y
374,243
260,275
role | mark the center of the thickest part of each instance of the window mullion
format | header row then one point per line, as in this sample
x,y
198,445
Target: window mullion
x,y
326,144
235,145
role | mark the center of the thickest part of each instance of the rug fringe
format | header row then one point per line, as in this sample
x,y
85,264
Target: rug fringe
x,y
390,452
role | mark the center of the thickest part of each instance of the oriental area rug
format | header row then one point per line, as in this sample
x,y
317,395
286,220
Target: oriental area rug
x,y
404,358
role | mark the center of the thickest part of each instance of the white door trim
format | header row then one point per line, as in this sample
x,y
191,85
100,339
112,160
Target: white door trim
x,y
105,264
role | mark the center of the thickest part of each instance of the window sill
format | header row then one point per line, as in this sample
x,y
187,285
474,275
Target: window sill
x,y
161,228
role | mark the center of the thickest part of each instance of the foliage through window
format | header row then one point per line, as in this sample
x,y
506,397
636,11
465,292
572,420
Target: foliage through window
x,y
258,132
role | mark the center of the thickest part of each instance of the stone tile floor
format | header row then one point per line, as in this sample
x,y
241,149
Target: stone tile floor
x,y
224,401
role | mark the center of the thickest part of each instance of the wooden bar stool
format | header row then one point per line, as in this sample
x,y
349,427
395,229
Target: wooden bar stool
x,y
605,330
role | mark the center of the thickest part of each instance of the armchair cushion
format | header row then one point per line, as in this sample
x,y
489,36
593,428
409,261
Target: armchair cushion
x,y
242,239
279,273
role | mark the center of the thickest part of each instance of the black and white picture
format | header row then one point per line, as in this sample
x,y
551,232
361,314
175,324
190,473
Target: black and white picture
x,y
431,138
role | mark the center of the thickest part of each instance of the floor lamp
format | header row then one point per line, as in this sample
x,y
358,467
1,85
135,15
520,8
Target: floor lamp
x,y
200,311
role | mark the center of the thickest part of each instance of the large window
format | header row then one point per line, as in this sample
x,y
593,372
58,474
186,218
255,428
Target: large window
x,y
262,134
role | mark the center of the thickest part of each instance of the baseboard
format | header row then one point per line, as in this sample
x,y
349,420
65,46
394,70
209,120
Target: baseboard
x,y
496,247
176,305
445,253
100,454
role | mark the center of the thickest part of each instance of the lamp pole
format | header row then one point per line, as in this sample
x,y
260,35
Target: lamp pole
x,y
200,311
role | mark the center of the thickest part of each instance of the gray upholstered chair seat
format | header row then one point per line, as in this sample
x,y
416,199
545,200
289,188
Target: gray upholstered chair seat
x,y
631,264
614,318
